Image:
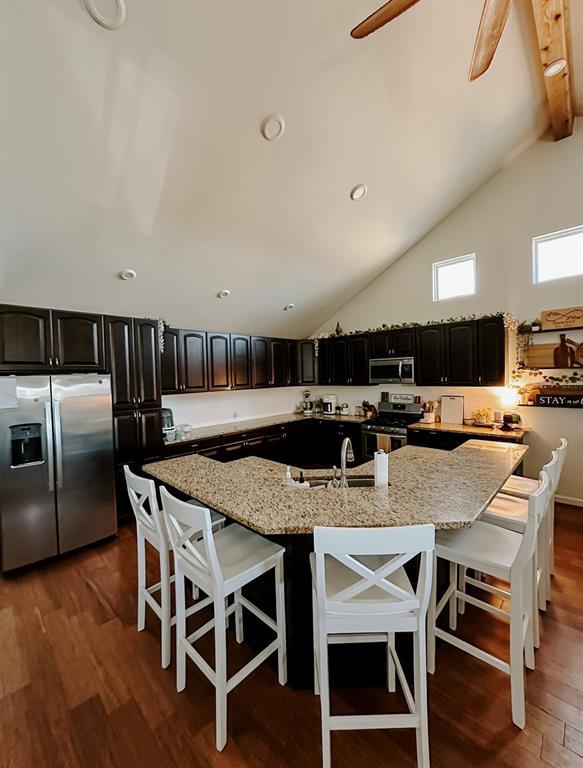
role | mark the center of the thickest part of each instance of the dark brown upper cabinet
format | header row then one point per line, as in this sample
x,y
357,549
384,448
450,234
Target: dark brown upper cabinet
x,y
359,355
460,354
491,351
429,358
170,369
219,361
260,362
119,355
291,362
278,360
192,361
25,339
147,363
396,343
325,361
307,370
340,361
240,361
77,341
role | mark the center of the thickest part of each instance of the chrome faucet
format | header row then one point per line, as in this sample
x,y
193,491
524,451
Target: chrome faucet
x,y
347,454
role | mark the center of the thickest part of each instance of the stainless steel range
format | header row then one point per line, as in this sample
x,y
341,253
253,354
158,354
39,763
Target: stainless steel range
x,y
392,421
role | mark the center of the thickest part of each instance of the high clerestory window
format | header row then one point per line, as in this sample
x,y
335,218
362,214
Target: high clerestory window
x,y
557,255
454,277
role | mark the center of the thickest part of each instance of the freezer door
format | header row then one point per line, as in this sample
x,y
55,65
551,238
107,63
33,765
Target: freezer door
x,y
28,524
84,474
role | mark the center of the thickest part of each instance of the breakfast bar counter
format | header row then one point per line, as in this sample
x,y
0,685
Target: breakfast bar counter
x,y
447,488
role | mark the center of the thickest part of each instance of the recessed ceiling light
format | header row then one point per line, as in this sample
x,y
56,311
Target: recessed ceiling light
x,y
358,192
127,274
555,67
224,293
289,307
272,127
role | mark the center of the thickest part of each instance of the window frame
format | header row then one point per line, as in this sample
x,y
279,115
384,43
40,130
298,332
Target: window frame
x,y
456,260
544,239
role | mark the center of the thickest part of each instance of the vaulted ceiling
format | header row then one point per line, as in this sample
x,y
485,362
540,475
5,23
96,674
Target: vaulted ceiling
x,y
140,148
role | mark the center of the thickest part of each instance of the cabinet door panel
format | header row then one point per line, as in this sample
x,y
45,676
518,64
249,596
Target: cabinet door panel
x,y
277,350
491,352
169,365
429,358
193,377
325,372
25,339
260,368
219,361
359,360
380,344
403,342
460,354
340,358
77,341
126,438
241,361
150,430
291,359
307,362
119,354
147,352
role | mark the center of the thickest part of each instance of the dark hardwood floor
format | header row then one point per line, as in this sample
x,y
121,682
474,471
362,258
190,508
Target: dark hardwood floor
x,y
80,687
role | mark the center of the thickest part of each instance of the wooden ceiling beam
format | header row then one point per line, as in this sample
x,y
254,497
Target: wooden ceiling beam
x,y
552,28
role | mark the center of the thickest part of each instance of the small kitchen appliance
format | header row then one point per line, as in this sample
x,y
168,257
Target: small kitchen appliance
x,y
329,405
168,430
307,404
392,370
392,421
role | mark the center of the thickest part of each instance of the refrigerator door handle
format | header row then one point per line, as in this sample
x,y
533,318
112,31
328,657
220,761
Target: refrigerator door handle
x,y
50,462
58,444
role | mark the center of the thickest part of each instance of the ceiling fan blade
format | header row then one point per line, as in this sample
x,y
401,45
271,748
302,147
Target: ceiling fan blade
x,y
494,15
382,16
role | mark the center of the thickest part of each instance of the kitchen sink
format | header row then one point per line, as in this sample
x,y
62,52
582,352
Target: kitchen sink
x,y
355,481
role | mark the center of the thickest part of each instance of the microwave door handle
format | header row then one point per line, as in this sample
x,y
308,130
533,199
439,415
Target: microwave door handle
x,y
400,370
58,444
49,438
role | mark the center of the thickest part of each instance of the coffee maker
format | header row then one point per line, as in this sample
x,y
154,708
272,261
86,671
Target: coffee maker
x,y
329,404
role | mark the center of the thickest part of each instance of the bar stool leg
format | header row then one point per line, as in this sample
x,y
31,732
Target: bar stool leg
x,y
180,630
280,620
517,651
316,642
420,690
462,588
431,620
453,599
529,604
165,608
391,680
324,695
238,617
141,543
534,606
220,674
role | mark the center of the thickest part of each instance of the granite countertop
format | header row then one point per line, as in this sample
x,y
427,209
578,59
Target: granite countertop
x,y
234,427
515,434
447,488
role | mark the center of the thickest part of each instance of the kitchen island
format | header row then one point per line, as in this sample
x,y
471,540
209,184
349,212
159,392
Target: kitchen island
x,y
447,488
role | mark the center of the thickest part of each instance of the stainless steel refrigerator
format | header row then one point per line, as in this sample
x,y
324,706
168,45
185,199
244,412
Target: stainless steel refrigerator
x,y
56,465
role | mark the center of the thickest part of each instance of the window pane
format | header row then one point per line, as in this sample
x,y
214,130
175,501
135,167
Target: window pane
x,y
560,256
454,278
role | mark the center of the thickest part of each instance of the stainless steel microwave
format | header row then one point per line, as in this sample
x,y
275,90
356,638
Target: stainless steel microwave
x,y
392,370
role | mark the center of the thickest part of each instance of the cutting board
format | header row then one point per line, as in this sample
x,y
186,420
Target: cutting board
x,y
452,409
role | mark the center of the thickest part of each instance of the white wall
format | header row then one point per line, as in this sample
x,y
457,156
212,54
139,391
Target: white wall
x,y
203,409
540,192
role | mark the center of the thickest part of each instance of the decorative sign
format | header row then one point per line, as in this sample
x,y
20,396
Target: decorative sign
x,y
559,401
396,398
571,317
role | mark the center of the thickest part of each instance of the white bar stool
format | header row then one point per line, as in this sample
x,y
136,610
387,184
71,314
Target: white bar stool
x,y
221,565
366,596
504,555
151,528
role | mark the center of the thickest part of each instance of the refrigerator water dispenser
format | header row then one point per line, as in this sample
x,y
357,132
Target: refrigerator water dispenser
x,y
26,445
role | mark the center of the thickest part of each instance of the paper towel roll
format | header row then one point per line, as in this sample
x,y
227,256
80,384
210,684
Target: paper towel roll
x,y
381,468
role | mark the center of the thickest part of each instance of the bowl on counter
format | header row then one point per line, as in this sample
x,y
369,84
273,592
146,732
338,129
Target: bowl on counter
x,y
469,422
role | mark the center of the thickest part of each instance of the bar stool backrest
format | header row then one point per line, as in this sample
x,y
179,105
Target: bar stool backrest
x,y
142,493
396,546
538,505
188,523
562,451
